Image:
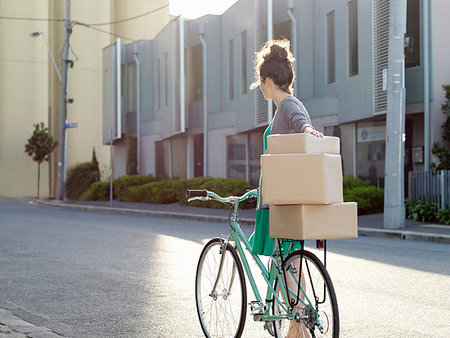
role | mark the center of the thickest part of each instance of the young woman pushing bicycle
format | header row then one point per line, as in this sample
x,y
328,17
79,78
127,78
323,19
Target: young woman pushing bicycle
x,y
274,71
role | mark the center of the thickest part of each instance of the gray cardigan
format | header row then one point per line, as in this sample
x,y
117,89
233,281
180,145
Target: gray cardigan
x,y
290,117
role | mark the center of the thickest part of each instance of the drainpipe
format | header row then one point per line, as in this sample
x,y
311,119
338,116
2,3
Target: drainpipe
x,y
294,37
269,37
426,85
138,108
182,103
205,103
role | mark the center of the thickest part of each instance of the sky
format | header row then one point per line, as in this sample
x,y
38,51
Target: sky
x,y
192,9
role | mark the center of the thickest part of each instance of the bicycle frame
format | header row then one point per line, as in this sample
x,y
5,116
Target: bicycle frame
x,y
276,270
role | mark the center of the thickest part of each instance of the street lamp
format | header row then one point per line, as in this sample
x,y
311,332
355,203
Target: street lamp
x,y
36,34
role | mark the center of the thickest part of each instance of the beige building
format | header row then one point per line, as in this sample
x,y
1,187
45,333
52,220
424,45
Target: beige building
x,y
29,85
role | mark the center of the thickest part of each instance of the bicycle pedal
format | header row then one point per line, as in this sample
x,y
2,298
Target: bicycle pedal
x,y
257,317
257,308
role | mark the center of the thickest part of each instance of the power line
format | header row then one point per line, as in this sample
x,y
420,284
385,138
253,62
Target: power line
x,y
29,19
128,19
103,31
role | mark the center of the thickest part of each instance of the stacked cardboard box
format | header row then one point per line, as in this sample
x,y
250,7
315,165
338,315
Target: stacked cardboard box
x,y
302,183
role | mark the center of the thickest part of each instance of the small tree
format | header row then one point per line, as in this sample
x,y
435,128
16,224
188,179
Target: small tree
x,y
443,152
39,147
131,153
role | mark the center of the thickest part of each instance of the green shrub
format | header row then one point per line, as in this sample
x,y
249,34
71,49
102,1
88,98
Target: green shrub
x,y
421,211
443,215
369,198
122,185
161,192
350,182
99,191
79,179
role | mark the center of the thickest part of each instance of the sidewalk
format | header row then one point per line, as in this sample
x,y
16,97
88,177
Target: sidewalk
x,y
368,225
12,326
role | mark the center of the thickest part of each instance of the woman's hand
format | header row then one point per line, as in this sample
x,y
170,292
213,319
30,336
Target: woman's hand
x,y
309,130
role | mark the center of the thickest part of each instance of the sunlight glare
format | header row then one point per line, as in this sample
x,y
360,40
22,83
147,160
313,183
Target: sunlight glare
x,y
193,9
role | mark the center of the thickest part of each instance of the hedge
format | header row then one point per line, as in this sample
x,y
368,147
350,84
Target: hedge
x,y
80,178
123,183
370,199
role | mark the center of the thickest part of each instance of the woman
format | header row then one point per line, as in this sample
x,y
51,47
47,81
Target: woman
x,y
274,70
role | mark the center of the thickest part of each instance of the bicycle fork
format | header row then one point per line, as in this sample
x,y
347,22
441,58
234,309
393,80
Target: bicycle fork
x,y
225,292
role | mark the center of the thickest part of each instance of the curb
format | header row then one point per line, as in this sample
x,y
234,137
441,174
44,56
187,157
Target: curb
x,y
399,234
11,325
127,211
405,234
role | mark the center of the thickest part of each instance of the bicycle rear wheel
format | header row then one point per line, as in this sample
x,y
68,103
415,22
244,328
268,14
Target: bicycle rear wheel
x,y
222,311
317,302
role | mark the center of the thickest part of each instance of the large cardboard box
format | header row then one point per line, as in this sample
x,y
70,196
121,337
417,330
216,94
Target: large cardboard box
x,y
302,144
314,221
301,179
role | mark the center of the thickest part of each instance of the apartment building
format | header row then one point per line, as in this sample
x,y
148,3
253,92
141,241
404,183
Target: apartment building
x,y
341,48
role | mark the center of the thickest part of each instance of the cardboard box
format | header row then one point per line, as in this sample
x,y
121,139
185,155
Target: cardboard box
x,y
301,179
302,144
314,221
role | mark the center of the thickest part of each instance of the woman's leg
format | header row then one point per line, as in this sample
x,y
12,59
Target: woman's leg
x,y
297,330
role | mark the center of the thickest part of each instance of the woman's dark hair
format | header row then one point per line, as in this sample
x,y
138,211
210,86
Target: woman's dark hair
x,y
276,61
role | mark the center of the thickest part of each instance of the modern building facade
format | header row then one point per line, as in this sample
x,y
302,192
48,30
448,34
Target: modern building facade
x,y
193,113
30,87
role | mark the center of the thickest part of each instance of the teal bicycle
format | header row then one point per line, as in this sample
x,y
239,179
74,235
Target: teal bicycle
x,y
300,294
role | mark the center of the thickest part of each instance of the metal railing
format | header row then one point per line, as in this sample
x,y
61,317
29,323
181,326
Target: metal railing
x,y
432,187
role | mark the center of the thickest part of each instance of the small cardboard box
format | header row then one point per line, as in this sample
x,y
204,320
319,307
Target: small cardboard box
x,y
302,144
301,179
314,221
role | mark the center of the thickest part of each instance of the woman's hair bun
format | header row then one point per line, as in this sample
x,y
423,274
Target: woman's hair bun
x,y
277,53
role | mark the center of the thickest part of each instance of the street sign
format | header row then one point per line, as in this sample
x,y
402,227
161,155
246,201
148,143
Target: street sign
x,y
72,125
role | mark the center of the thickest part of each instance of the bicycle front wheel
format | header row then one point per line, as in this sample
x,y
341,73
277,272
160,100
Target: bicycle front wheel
x,y
222,309
317,304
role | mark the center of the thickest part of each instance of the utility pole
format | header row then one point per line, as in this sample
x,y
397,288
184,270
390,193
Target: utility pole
x,y
394,187
63,102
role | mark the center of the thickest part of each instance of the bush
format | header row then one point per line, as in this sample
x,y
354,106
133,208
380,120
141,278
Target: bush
x,y
161,192
99,191
122,185
350,182
369,198
422,211
443,215
80,178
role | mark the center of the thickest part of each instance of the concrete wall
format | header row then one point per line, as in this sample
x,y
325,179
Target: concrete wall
x,y
24,99
29,87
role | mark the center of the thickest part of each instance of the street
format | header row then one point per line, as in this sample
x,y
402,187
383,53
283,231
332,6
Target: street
x,y
92,274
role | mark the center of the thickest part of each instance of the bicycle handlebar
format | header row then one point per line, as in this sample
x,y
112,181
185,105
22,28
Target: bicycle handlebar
x,y
210,195
196,193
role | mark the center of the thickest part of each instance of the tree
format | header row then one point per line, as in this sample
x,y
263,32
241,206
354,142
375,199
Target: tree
x,y
39,147
443,152
131,153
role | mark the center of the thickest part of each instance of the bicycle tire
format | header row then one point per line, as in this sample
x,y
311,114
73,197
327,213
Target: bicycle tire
x,y
323,297
212,309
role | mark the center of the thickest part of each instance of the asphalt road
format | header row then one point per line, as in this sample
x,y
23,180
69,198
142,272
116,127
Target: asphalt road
x,y
89,274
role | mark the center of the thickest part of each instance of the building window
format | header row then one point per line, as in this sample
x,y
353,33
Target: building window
x,y
331,48
353,66
244,62
158,94
236,156
231,68
131,87
166,78
370,151
195,73
412,50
